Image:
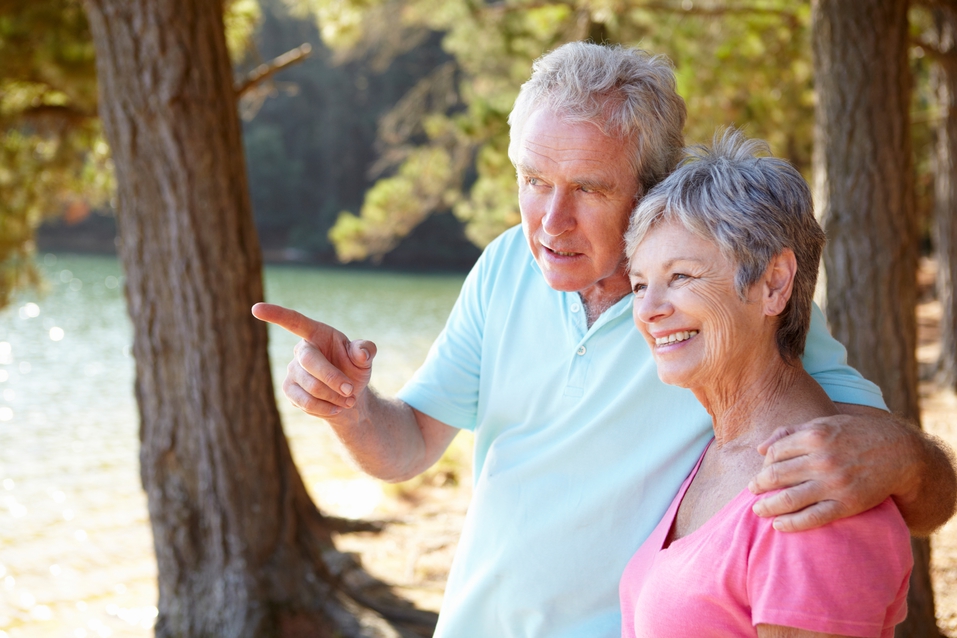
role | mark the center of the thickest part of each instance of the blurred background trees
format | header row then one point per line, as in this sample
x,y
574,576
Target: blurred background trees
x,y
737,62
393,133
52,158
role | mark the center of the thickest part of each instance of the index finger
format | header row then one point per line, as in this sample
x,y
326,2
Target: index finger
x,y
295,322
800,441
776,436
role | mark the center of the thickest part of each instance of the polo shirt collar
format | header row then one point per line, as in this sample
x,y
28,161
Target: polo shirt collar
x,y
620,307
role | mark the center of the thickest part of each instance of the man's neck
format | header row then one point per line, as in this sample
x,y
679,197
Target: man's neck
x,y
603,295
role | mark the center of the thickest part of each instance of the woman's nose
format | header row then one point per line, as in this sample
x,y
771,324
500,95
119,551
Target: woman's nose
x,y
651,306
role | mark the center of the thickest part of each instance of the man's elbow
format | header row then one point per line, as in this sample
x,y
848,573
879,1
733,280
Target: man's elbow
x,y
936,500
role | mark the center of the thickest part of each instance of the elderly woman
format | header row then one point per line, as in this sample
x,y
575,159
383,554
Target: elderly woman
x,y
723,262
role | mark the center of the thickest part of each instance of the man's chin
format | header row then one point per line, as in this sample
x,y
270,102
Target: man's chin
x,y
562,284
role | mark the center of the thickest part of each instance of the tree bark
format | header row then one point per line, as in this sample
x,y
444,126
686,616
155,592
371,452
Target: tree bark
x,y
945,186
864,187
240,546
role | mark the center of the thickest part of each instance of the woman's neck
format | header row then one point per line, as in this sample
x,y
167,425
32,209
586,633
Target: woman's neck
x,y
750,405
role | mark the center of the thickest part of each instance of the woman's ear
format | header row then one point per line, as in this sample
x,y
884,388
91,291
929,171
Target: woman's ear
x,y
778,282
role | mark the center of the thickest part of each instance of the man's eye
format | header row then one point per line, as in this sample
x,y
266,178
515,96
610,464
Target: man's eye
x,y
678,276
531,181
639,289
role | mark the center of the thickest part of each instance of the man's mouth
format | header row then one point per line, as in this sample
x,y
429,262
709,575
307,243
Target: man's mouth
x,y
560,253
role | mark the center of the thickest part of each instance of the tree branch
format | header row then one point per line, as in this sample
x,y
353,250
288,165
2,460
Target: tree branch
x,y
54,117
265,71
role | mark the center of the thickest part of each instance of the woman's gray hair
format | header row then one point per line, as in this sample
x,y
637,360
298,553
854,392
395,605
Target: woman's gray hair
x,y
627,93
753,208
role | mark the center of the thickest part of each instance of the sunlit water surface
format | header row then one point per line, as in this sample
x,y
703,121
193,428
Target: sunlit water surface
x,y
76,555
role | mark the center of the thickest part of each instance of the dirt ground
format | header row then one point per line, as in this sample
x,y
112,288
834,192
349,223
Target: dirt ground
x,y
415,549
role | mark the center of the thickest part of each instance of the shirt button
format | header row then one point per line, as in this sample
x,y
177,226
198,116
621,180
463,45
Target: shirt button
x,y
581,351
576,307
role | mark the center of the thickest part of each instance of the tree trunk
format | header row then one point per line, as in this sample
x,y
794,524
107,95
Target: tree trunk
x,y
864,187
240,546
945,186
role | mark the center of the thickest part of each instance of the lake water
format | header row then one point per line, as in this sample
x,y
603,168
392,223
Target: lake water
x,y
76,556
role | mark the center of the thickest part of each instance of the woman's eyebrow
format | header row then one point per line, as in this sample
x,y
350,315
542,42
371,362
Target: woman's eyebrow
x,y
674,260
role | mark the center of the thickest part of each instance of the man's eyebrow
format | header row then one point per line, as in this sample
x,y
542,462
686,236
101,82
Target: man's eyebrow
x,y
594,185
527,170
590,184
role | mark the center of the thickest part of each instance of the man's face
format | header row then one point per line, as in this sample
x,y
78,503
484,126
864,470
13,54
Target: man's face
x,y
576,190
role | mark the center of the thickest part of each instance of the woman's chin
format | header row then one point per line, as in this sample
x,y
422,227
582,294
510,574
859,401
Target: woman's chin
x,y
679,378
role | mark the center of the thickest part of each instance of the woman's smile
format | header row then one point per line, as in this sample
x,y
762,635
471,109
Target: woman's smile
x,y
675,337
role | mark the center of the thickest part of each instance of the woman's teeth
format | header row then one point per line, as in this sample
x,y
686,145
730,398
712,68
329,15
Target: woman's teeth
x,y
675,337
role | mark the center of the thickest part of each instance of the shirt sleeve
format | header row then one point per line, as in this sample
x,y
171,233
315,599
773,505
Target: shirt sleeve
x,y
849,577
446,386
825,359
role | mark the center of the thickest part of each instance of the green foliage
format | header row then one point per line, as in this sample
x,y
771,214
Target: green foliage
x,y
52,158
425,182
311,147
748,68
926,114
745,63
240,19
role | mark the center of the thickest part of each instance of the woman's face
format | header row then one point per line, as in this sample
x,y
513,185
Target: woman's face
x,y
688,310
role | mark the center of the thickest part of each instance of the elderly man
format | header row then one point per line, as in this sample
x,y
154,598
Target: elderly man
x,y
579,448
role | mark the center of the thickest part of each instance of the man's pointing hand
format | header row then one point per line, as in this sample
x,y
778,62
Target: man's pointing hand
x,y
328,372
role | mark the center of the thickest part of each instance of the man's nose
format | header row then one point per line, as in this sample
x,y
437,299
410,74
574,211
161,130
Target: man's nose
x,y
559,214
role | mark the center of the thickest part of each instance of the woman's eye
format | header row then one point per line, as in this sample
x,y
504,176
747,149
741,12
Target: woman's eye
x,y
639,288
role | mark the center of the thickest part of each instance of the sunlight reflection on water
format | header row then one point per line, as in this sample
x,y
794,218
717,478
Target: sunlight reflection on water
x,y
76,555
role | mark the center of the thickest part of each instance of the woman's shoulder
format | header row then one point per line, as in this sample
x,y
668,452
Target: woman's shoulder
x,y
882,527
883,520
854,572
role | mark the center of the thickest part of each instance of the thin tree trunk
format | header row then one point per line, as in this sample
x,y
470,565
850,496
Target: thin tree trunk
x,y
238,542
945,186
864,180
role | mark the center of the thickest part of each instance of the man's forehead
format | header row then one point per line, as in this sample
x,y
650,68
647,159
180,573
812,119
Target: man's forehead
x,y
559,121
547,134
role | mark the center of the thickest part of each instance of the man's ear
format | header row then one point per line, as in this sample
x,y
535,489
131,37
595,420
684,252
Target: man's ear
x,y
778,282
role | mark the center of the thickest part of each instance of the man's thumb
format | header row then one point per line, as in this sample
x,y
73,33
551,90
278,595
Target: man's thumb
x,y
362,353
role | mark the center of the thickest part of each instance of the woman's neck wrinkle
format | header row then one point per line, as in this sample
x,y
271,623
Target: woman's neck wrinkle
x,y
745,407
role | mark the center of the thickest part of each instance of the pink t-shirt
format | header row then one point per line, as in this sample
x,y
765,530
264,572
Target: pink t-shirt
x,y
734,572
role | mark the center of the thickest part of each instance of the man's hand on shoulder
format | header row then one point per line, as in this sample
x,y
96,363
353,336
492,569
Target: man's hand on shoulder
x,y
835,467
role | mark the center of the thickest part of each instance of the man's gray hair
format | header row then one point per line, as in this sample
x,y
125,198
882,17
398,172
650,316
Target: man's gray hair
x,y
627,93
752,207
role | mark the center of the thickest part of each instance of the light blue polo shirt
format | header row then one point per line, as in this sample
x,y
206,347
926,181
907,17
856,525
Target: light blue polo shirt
x,y
579,448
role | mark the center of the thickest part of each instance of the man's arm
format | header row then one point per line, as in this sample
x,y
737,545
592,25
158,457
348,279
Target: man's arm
x,y
836,467
390,440
777,631
329,378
